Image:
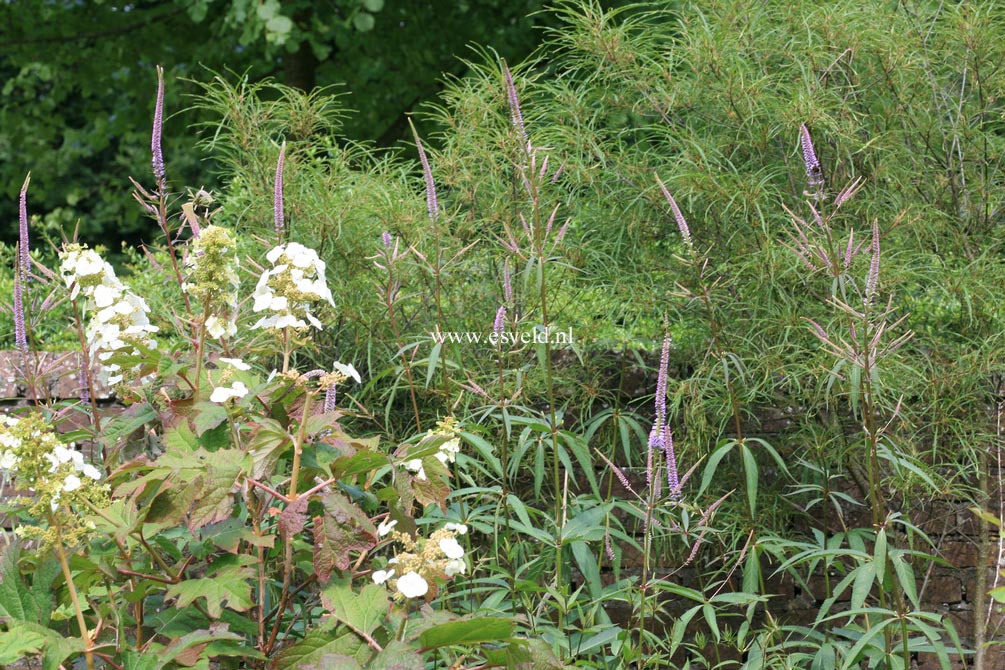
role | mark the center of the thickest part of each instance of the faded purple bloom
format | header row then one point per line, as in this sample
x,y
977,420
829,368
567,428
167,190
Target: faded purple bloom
x,y
608,549
85,393
685,232
526,227
507,284
500,322
849,191
157,159
431,201
551,221
619,473
387,239
872,281
544,168
473,386
277,194
514,106
849,251
558,174
819,331
561,231
814,173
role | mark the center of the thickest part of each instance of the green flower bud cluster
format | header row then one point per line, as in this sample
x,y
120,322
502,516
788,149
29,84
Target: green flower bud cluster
x,y
212,265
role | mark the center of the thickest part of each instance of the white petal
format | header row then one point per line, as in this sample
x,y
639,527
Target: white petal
x,y
384,527
235,362
412,585
274,253
455,567
90,471
451,548
71,483
347,370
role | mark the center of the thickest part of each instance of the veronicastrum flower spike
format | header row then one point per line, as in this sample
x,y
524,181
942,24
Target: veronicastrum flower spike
x,y
21,272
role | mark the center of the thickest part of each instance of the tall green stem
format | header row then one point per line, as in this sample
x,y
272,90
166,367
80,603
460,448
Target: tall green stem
x,y
85,636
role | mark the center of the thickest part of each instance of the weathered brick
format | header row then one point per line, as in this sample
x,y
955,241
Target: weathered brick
x,y
944,589
960,554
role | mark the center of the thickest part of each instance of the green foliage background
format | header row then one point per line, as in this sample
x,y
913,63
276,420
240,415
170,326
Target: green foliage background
x,y
709,97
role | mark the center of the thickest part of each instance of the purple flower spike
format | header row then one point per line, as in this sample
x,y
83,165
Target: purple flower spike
x,y
685,232
20,332
673,480
432,204
22,218
500,322
814,173
661,384
654,444
330,399
21,275
514,106
277,194
155,137
660,437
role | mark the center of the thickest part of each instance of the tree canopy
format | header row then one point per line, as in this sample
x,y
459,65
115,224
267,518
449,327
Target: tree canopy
x,y
79,77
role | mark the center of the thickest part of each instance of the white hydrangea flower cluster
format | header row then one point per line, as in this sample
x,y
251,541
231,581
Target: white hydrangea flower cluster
x,y
9,446
212,265
440,556
119,318
447,453
238,389
60,482
287,291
